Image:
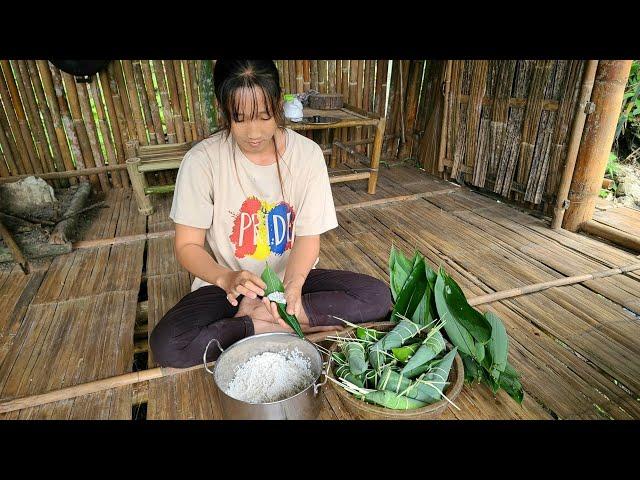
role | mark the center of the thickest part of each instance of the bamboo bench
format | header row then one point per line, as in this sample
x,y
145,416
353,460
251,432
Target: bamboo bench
x,y
152,158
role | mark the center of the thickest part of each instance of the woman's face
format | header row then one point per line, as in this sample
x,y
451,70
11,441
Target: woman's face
x,y
253,134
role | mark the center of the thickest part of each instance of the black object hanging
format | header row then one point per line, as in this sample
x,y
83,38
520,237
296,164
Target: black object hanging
x,y
82,70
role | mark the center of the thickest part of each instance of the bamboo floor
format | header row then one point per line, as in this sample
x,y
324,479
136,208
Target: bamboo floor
x,y
625,219
577,348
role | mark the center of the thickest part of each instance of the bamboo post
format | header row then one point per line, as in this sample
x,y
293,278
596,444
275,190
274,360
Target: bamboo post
x,y
322,76
208,97
134,101
159,372
104,129
445,118
115,123
182,101
18,256
597,138
67,122
311,75
164,98
577,128
4,169
299,73
175,101
86,159
139,81
195,99
393,106
190,100
330,85
33,115
92,133
52,132
285,76
293,82
27,160
375,155
413,87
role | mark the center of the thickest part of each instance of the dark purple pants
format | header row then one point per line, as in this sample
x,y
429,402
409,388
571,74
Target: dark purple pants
x,y
180,338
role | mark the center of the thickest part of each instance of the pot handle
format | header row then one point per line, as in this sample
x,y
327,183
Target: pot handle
x,y
316,386
204,357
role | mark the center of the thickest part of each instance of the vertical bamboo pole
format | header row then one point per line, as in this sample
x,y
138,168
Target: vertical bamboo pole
x,y
22,158
195,99
104,129
331,76
338,84
182,99
92,133
322,76
4,169
17,116
33,115
280,70
380,95
293,81
85,160
597,138
208,95
445,117
413,90
285,76
43,107
139,82
67,123
299,73
134,101
189,99
175,101
311,83
354,83
8,144
123,99
577,127
166,104
344,132
392,107
153,104
116,118
201,99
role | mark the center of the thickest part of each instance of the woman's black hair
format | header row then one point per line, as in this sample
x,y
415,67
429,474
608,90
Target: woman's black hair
x,y
234,78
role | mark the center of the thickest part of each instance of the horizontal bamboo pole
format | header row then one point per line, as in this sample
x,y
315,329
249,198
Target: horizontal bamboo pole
x,y
399,198
614,235
349,177
154,373
159,189
156,166
120,240
66,173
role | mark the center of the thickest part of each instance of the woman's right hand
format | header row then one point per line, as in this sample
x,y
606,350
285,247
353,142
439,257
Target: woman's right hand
x,y
242,282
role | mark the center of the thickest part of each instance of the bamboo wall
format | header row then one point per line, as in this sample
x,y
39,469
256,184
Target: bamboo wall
x,y
505,128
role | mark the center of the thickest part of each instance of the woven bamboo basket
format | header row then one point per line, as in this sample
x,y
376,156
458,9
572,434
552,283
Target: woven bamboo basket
x,y
362,410
326,101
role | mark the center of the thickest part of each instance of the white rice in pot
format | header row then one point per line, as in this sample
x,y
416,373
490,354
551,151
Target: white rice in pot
x,y
271,377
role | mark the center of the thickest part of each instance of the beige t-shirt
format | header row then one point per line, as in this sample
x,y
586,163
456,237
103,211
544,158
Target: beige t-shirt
x,y
248,222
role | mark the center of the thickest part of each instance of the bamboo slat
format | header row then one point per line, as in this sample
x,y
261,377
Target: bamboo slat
x,y
152,102
104,130
332,79
26,150
285,76
8,144
166,104
293,78
310,75
134,102
92,133
322,76
122,100
189,105
44,109
139,82
85,160
479,73
33,115
174,96
194,95
299,75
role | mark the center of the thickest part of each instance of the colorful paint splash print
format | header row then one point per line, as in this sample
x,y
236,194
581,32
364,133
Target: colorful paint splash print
x,y
261,228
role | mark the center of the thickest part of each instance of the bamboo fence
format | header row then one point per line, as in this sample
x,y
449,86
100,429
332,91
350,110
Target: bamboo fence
x,y
498,125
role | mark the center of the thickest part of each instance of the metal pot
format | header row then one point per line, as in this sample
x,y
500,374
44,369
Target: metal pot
x,y
305,405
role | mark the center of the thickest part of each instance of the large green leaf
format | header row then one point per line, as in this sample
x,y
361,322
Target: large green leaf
x,y
399,269
411,294
458,334
498,345
274,284
452,300
510,382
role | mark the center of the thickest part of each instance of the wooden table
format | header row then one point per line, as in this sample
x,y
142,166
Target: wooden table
x,y
349,116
